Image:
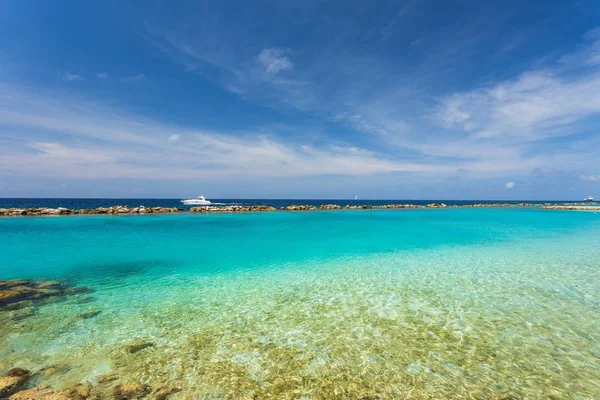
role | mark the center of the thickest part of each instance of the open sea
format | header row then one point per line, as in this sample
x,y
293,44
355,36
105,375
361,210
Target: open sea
x,y
352,304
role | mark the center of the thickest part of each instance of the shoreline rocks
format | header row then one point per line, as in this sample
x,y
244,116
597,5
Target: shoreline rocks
x,y
120,210
572,207
230,209
142,210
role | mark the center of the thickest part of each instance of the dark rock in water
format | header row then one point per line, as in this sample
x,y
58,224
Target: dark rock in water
x,y
19,372
13,381
106,378
17,294
163,393
12,283
134,348
90,314
131,390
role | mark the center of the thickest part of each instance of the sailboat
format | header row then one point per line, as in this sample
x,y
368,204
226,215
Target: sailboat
x,y
356,198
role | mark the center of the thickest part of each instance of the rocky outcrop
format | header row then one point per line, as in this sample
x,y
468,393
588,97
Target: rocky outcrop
x,y
230,209
12,381
99,210
15,294
126,210
330,207
572,207
295,207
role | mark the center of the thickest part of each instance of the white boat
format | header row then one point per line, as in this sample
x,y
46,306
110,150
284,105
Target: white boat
x,y
589,198
199,201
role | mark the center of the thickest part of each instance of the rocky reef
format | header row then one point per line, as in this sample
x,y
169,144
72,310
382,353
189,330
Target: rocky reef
x,y
126,210
16,385
18,294
231,209
574,207
99,210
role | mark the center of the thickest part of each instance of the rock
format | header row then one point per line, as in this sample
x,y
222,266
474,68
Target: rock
x,y
21,293
134,348
16,294
53,369
163,393
42,392
130,390
79,392
12,283
330,207
107,378
13,381
90,314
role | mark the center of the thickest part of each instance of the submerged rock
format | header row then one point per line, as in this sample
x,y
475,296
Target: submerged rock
x,y
13,381
90,314
106,378
131,390
17,294
163,393
43,392
134,348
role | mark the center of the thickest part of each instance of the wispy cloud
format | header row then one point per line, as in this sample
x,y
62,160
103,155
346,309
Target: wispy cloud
x,y
134,78
593,178
102,75
492,129
509,185
68,76
274,60
97,141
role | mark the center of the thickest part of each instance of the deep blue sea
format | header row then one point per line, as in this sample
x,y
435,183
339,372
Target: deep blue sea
x,y
277,203
426,303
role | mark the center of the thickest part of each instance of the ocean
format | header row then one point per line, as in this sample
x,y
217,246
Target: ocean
x,y
277,203
351,304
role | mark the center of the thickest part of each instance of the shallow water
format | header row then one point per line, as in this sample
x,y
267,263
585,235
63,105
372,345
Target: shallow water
x,y
461,303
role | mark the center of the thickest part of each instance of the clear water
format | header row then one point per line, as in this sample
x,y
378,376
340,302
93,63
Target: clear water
x,y
459,303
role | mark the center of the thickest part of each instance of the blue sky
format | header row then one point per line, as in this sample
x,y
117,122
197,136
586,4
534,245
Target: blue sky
x,y
326,99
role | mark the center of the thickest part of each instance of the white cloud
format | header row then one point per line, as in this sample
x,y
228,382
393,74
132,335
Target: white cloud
x,y
134,78
174,138
274,60
67,76
102,75
91,140
593,178
509,185
536,105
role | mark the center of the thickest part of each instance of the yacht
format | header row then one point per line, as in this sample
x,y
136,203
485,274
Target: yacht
x,y
198,201
589,198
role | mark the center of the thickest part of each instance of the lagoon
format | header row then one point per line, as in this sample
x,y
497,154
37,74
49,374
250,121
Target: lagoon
x,y
442,303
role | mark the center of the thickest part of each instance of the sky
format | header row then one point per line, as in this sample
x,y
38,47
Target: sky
x,y
413,99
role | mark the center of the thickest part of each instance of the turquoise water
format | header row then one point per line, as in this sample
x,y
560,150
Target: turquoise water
x,y
459,303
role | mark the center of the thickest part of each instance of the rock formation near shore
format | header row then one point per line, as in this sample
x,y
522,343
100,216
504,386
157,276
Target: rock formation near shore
x,y
126,210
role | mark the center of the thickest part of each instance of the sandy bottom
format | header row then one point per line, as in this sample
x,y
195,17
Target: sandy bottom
x,y
512,320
